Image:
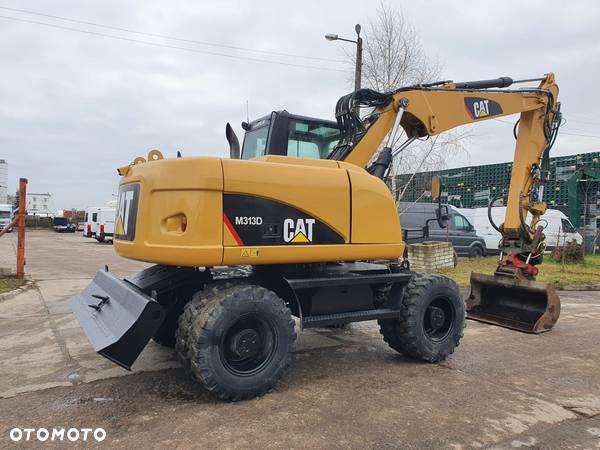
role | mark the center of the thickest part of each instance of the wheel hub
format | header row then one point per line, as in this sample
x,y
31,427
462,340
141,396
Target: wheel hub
x,y
437,317
246,343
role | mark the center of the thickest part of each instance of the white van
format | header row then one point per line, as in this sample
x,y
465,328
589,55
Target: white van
x,y
91,221
5,215
106,224
558,229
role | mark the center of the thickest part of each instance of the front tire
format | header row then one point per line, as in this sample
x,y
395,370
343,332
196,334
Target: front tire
x,y
238,341
432,319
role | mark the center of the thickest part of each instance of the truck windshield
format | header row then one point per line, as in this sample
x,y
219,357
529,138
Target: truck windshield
x,y
567,226
61,221
4,214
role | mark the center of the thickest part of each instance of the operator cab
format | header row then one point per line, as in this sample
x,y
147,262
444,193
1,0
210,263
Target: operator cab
x,y
285,134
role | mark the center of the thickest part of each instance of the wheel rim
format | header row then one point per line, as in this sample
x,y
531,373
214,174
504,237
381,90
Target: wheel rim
x,y
248,345
438,319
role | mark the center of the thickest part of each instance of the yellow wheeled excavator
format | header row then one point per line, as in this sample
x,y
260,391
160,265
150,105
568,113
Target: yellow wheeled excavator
x,y
243,245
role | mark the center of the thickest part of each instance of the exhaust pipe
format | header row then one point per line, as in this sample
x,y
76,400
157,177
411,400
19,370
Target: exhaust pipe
x,y
522,305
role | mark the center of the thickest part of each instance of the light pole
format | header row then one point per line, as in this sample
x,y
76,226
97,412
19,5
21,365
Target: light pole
x,y
358,42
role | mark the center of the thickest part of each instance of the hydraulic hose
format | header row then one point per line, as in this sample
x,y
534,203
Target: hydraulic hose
x,y
492,201
524,227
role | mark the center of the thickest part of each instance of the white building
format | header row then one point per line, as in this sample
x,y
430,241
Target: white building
x,y
41,205
3,181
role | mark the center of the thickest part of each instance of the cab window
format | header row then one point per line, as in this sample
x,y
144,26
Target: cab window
x,y
567,226
460,223
308,139
255,142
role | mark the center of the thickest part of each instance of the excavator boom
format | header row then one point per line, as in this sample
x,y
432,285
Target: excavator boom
x,y
510,297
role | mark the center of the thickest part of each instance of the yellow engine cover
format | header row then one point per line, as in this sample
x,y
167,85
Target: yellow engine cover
x,y
205,211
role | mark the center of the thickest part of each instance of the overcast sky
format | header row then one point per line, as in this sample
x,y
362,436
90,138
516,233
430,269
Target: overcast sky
x,y
75,106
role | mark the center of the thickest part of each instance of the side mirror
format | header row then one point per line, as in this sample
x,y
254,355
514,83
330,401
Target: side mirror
x,y
441,212
234,143
442,216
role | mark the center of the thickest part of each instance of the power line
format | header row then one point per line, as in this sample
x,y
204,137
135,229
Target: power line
x,y
155,44
593,136
584,122
173,38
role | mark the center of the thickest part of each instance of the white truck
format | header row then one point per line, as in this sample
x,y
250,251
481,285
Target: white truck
x,y
6,212
557,227
106,224
91,221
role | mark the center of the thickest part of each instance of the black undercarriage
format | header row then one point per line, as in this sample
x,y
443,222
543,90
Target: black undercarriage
x,y
121,316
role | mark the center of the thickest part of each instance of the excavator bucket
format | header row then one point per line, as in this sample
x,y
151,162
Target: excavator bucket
x,y
522,305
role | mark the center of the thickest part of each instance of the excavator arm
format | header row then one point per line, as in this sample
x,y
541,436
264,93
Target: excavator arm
x,y
429,110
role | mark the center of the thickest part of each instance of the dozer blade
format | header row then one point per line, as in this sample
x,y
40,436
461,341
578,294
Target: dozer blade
x,y
117,318
521,305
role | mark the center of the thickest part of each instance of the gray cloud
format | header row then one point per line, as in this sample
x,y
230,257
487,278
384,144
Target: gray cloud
x,y
73,107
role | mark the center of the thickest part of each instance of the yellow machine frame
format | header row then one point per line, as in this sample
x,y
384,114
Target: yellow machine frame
x,y
181,200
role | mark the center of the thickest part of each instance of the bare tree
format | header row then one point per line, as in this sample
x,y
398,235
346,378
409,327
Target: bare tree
x,y
392,53
394,57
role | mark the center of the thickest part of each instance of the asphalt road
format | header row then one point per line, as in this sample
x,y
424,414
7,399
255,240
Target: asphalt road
x,y
344,389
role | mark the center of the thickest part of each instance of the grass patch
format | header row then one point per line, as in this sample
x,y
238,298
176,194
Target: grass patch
x,y
9,284
551,271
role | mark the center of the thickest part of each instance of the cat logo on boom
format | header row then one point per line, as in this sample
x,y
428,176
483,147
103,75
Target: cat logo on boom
x,y
298,231
479,108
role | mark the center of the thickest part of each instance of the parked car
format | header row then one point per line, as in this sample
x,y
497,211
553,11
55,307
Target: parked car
x,y
63,225
80,226
557,227
106,224
459,231
6,215
91,221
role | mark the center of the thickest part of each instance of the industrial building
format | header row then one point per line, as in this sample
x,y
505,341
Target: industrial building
x,y
573,186
3,181
41,205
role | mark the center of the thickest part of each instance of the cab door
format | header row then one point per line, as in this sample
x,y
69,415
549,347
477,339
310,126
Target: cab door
x,y
461,233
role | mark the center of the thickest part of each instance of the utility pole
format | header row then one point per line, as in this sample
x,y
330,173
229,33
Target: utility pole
x,y
359,49
21,225
358,68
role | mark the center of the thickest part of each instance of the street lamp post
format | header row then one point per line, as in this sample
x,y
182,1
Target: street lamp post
x,y
359,43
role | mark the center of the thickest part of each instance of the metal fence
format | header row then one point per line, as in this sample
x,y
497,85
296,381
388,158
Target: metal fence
x,y
475,186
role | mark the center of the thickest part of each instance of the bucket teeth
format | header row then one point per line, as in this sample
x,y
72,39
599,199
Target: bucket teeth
x,y
522,305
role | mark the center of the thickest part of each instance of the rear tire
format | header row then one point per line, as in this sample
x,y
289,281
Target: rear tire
x,y
476,252
432,319
238,340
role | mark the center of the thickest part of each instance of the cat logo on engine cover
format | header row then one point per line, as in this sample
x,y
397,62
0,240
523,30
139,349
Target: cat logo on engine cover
x,y
251,220
298,231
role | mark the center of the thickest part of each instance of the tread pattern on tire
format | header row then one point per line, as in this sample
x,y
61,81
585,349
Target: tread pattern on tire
x,y
401,334
195,324
199,300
